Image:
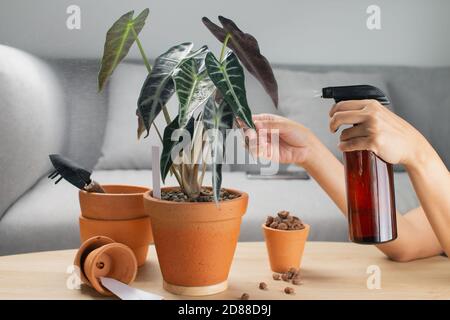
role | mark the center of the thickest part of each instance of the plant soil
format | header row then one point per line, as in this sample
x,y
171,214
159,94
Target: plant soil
x,y
206,195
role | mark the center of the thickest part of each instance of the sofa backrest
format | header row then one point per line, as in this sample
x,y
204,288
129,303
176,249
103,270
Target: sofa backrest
x,y
420,95
86,109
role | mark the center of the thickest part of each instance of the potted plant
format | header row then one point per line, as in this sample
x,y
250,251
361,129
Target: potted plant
x,y
195,228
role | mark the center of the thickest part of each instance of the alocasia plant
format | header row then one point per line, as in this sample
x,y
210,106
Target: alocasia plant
x,y
210,91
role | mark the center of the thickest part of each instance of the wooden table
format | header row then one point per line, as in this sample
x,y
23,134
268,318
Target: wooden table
x,y
330,271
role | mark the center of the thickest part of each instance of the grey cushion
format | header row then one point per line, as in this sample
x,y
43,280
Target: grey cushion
x,y
32,122
46,217
422,97
85,109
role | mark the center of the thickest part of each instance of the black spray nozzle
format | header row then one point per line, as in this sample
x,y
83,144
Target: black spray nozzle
x,y
358,92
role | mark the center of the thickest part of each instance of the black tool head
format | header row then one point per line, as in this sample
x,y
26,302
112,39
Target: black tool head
x,y
70,171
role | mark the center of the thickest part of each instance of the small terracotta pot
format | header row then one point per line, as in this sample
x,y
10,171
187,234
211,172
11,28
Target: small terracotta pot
x,y
195,241
102,257
285,247
135,233
120,202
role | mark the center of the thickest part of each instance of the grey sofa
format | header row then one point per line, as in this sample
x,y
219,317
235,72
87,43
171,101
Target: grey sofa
x,y
52,106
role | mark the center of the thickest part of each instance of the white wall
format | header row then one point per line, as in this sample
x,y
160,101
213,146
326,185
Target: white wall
x,y
414,32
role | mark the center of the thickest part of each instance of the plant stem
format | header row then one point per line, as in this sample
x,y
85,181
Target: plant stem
x,y
141,50
200,181
157,131
225,42
149,69
176,174
166,114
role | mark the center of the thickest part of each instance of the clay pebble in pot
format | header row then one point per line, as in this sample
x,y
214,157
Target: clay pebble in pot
x,y
134,233
195,241
285,237
102,257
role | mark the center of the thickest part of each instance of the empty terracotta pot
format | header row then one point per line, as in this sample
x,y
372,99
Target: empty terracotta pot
x,y
135,233
102,257
285,247
195,241
120,202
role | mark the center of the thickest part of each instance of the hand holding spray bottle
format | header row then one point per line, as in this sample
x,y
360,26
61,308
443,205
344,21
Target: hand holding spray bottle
x,y
369,180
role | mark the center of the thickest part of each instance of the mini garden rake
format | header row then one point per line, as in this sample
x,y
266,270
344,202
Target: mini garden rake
x,y
73,173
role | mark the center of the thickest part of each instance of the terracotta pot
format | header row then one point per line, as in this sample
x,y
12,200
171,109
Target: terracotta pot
x,y
285,247
195,241
135,233
121,202
102,257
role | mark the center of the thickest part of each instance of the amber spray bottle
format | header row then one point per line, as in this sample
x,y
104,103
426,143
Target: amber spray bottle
x,y
369,180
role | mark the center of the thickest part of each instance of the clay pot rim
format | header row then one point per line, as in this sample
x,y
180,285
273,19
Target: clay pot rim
x,y
242,195
111,220
97,194
306,228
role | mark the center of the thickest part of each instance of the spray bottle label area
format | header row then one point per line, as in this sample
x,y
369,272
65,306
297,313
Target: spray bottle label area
x,y
370,198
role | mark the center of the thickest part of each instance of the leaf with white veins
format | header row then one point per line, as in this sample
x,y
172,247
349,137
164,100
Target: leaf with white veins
x,y
228,76
192,88
159,86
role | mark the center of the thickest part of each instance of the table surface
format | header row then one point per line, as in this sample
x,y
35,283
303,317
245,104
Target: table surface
x,y
330,270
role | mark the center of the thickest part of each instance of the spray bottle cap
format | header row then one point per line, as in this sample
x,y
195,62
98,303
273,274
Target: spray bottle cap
x,y
356,92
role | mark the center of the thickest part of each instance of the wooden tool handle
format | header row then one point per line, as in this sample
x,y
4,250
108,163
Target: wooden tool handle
x,y
94,187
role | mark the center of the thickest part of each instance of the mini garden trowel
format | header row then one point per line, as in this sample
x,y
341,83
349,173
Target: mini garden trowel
x,y
73,173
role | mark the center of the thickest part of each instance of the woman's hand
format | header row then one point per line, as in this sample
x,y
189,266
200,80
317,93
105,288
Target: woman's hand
x,y
293,143
378,129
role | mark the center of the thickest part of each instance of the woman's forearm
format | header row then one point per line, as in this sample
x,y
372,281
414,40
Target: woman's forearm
x,y
431,181
327,170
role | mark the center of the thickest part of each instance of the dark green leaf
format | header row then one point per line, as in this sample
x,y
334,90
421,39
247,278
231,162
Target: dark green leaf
x,y
119,39
193,88
228,77
169,144
247,49
217,119
159,87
